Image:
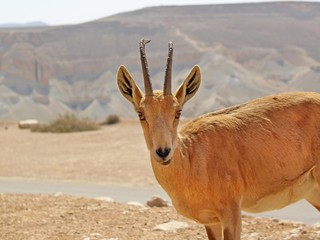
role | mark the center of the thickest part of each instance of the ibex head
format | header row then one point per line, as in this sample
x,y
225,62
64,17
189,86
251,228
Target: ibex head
x,y
158,111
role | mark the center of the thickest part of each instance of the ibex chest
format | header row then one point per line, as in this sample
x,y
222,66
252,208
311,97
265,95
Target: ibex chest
x,y
192,199
195,204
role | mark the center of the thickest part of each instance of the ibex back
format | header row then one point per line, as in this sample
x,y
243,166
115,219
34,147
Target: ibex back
x,y
257,156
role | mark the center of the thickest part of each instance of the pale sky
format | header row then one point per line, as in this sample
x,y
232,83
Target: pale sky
x,y
59,12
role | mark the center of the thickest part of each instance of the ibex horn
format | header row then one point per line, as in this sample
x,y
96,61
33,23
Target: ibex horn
x,y
168,74
145,70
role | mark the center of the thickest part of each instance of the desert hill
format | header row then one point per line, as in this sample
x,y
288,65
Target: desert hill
x,y
244,50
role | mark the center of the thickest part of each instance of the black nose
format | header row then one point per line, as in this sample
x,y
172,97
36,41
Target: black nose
x,y
163,153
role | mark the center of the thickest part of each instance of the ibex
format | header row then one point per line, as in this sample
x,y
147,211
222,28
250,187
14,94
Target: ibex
x,y
257,156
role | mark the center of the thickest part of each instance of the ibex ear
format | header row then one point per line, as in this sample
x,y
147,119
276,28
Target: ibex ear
x,y
190,86
128,87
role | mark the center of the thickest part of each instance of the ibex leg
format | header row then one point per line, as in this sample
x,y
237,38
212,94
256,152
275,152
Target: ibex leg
x,y
231,222
314,197
214,232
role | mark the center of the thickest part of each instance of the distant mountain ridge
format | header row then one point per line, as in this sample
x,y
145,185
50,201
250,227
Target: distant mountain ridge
x,y
24,25
244,50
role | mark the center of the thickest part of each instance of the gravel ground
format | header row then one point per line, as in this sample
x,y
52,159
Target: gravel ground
x,y
66,217
115,154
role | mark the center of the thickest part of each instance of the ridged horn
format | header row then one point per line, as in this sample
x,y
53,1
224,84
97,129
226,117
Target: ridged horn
x,y
168,73
145,70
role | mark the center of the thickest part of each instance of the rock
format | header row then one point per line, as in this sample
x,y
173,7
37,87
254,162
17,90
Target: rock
x,y
316,226
25,124
295,233
315,235
171,226
105,199
157,202
252,236
289,223
137,204
58,194
95,234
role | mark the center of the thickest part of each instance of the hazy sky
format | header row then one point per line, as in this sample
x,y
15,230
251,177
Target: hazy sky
x,y
56,12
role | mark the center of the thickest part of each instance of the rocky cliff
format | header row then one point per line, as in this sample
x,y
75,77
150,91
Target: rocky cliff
x,y
244,51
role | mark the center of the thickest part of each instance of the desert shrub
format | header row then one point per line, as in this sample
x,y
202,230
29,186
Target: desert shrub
x,y
67,123
111,119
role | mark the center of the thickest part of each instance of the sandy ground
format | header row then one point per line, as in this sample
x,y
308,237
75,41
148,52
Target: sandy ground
x,y
113,155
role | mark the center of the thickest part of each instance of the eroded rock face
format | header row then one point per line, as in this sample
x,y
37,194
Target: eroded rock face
x,y
51,72
47,71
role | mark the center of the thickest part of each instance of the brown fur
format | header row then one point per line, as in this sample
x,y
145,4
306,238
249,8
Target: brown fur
x,y
257,156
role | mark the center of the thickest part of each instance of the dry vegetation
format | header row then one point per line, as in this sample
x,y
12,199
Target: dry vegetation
x,y
111,119
67,123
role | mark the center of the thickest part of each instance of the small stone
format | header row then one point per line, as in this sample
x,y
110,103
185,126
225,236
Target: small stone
x,y
316,235
292,237
157,202
95,234
137,204
105,199
58,194
298,230
171,226
254,234
316,225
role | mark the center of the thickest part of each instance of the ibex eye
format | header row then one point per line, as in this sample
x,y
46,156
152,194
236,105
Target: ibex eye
x,y
141,116
178,114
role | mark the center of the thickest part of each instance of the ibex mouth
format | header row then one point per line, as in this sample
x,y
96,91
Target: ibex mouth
x,y
163,160
163,155
166,162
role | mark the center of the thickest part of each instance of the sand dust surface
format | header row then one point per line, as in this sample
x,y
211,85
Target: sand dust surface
x,y
115,155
